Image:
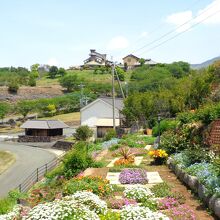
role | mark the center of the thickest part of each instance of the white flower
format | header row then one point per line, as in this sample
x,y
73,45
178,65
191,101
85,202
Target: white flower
x,y
141,213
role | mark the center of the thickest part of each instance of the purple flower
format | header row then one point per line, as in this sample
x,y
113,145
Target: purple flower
x,y
133,176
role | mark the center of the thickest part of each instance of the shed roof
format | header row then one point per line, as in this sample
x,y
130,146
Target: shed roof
x,y
44,124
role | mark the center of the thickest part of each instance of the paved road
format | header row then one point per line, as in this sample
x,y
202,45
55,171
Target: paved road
x,y
27,160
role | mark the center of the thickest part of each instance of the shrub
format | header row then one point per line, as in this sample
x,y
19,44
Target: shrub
x,y
110,215
133,176
13,86
76,160
83,133
111,133
164,126
6,205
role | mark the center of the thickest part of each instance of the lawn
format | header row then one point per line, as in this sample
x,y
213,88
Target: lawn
x,y
69,117
6,160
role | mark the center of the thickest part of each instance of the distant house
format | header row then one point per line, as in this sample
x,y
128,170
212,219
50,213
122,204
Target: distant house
x,y
131,61
42,130
99,115
95,59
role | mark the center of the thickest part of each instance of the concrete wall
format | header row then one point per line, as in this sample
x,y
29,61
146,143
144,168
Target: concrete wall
x,y
95,111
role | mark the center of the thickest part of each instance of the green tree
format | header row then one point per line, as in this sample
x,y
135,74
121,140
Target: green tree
x,y
53,71
141,61
13,85
121,73
70,82
61,72
83,133
34,70
25,107
4,110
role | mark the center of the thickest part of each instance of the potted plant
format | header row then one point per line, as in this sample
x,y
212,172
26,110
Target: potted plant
x,y
159,156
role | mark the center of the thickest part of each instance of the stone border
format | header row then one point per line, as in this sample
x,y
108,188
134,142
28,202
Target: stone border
x,y
212,201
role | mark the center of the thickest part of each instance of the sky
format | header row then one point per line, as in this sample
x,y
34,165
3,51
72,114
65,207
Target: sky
x,y
62,32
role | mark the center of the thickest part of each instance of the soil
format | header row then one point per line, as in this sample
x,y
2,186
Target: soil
x,y
29,93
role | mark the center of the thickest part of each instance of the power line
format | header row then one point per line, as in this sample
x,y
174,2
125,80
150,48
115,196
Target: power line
x,y
158,28
180,32
173,30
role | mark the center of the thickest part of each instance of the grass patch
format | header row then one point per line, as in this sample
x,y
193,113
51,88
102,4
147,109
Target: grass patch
x,y
6,160
69,117
9,130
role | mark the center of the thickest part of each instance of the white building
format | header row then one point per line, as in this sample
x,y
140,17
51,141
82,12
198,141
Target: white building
x,y
99,115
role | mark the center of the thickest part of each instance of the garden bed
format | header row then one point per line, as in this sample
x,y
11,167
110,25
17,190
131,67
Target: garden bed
x,y
212,201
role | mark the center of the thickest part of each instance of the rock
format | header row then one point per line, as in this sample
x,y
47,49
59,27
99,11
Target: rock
x,y
181,175
186,178
217,207
202,193
212,202
178,170
193,183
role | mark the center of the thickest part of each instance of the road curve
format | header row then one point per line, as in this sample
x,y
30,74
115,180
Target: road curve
x,y
27,160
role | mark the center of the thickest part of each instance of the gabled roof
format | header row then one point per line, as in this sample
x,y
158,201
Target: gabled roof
x,y
119,104
44,124
131,55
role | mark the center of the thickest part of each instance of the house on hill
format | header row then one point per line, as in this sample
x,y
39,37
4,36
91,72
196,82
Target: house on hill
x,y
95,59
98,115
131,61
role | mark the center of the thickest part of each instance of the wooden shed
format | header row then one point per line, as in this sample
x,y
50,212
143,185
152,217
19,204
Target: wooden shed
x,y
44,128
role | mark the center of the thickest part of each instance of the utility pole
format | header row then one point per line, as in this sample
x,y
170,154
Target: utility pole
x,y
122,92
113,92
81,95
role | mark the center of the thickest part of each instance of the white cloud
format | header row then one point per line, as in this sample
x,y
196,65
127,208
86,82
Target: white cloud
x,y
212,10
143,34
209,10
118,42
179,19
52,62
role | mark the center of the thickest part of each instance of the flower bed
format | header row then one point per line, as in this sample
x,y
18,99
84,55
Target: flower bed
x,y
97,185
205,183
133,176
138,193
159,156
120,203
144,213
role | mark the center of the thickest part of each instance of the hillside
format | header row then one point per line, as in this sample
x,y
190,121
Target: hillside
x,y
205,64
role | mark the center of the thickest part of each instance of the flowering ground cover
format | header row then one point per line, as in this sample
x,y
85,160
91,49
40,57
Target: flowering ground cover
x,y
133,176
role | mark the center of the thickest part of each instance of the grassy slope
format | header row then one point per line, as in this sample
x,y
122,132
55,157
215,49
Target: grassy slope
x,y
88,75
6,160
69,117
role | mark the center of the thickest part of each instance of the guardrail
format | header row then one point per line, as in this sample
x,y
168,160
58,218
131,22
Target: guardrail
x,y
38,174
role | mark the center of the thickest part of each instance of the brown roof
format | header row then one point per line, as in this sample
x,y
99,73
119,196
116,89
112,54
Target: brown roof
x,y
131,55
44,124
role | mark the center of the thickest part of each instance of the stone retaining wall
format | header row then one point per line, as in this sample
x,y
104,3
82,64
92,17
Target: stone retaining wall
x,y
212,201
27,138
63,145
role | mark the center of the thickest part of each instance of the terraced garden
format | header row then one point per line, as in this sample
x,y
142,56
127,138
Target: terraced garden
x,y
118,179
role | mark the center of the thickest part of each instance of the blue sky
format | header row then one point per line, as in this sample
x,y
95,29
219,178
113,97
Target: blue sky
x,y
62,32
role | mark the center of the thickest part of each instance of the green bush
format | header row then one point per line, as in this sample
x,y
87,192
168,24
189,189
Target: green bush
x,y
6,205
110,215
77,160
165,125
111,133
83,133
13,86
58,171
